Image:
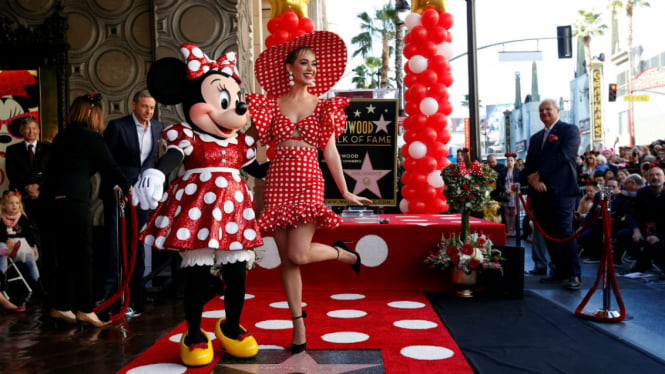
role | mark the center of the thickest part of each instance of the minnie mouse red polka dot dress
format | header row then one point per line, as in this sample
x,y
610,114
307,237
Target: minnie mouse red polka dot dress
x,y
294,185
210,205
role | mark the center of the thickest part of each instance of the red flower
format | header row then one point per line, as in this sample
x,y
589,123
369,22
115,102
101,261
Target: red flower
x,y
467,249
552,138
454,259
465,187
452,250
481,241
473,263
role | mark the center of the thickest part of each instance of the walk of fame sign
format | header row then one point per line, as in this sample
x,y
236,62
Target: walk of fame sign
x,y
368,151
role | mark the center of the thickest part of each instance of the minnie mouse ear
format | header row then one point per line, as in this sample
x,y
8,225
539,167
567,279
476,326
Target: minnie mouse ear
x,y
167,80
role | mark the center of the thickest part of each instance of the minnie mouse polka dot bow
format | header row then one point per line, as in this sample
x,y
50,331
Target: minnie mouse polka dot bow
x,y
198,63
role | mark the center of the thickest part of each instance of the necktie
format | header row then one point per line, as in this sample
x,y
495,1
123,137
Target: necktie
x,y
31,154
547,132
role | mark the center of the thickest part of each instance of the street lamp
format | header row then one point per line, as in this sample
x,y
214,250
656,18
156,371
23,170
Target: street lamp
x,y
401,9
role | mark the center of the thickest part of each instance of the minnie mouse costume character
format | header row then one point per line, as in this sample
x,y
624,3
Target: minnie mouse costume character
x,y
208,213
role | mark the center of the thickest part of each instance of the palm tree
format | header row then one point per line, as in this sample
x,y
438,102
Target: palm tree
x,y
588,24
381,27
365,76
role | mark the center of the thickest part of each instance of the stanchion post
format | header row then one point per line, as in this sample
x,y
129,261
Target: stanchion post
x,y
606,258
120,213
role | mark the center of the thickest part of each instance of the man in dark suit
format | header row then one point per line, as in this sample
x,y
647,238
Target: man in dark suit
x,y
134,142
551,173
25,165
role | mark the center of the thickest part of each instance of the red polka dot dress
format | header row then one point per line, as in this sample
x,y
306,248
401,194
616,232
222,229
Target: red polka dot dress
x,y
294,185
210,206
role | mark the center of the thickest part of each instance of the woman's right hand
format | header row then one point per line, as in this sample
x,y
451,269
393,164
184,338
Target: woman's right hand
x,y
355,199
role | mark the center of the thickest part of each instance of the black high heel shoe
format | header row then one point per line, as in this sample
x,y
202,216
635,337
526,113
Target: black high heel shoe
x,y
297,348
356,265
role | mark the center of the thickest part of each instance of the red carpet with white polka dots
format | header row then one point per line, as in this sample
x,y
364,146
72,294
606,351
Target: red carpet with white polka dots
x,y
401,324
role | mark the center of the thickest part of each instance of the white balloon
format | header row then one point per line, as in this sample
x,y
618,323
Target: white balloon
x,y
412,20
418,64
404,205
445,49
417,150
429,106
434,179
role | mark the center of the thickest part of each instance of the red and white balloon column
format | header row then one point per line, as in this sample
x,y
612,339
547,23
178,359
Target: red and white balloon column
x,y
286,26
427,78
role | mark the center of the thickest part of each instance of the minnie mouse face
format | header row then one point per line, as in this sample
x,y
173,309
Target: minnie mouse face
x,y
221,113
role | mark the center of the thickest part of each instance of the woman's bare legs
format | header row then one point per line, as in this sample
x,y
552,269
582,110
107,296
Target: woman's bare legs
x,y
296,248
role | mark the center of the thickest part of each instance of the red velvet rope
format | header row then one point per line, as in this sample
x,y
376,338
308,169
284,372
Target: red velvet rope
x,y
605,267
127,263
606,274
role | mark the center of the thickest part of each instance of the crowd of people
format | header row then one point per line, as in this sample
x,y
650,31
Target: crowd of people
x,y
630,178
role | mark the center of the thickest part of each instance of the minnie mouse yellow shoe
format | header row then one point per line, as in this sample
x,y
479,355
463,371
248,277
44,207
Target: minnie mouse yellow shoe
x,y
243,347
198,354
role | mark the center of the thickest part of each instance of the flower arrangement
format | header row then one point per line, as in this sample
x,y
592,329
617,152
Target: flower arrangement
x,y
468,188
476,253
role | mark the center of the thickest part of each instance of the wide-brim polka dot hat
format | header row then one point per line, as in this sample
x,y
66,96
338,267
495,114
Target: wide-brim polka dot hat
x,y
330,52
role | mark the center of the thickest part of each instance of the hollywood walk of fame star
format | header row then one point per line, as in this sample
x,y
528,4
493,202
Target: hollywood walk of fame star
x,y
381,125
298,363
366,177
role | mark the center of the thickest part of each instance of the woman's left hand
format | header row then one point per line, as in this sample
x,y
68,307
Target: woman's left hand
x,y
355,199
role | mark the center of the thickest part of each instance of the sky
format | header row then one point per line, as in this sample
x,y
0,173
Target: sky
x,y
506,20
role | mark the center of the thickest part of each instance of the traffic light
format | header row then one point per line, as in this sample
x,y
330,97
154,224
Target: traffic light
x,y
564,38
613,92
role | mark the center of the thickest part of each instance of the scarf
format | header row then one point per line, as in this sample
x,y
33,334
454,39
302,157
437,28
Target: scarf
x,y
10,221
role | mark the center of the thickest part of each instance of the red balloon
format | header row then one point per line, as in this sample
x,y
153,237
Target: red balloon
x,y
409,192
428,48
446,20
270,41
417,92
429,18
416,207
449,37
439,206
446,78
418,34
426,165
281,36
444,136
427,193
410,136
426,135
418,120
437,121
410,50
439,64
306,25
290,20
406,177
446,107
407,38
404,151
427,77
412,107
437,34
438,150
298,33
410,79
438,91
274,25
411,164
407,69
418,178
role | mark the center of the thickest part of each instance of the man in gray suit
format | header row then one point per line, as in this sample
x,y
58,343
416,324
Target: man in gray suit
x,y
134,143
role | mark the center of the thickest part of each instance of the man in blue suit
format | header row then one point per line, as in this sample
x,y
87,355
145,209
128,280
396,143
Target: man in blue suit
x,y
134,143
551,173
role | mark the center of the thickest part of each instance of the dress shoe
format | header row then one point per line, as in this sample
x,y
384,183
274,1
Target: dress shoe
x,y
340,245
245,346
297,348
67,315
537,271
91,319
573,284
198,354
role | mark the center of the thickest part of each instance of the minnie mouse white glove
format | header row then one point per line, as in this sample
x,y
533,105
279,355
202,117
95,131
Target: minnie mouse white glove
x,y
149,189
